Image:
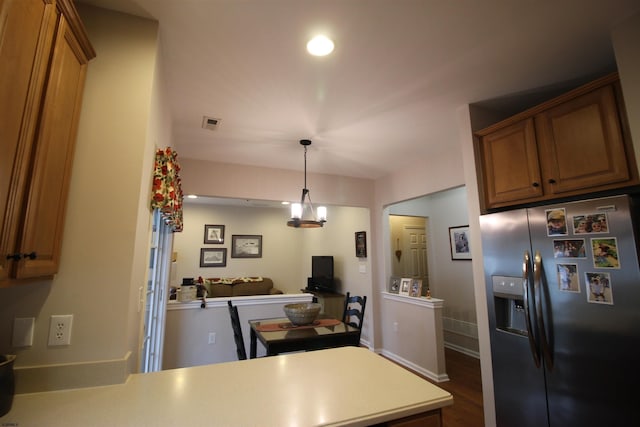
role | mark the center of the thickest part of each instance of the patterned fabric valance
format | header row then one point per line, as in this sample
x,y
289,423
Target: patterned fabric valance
x,y
167,189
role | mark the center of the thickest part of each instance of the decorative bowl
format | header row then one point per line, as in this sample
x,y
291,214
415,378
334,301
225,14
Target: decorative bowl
x,y
302,314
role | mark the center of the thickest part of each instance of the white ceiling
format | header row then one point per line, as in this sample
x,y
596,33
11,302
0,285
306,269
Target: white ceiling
x,y
389,93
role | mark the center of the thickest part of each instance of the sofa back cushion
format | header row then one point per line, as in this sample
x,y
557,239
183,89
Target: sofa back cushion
x,y
253,288
219,290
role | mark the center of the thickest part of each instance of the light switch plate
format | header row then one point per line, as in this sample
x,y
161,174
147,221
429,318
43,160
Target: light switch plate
x,y
23,331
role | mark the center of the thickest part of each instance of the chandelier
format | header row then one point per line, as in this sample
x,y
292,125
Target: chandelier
x,y
298,210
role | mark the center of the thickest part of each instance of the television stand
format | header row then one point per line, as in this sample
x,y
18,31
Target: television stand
x,y
332,302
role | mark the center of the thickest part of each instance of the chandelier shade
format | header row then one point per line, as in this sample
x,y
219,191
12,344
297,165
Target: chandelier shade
x,y
313,219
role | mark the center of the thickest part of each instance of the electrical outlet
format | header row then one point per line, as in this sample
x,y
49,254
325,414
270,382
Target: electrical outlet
x,y
212,337
60,329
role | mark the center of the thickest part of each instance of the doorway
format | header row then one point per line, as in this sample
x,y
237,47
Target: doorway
x,y
410,237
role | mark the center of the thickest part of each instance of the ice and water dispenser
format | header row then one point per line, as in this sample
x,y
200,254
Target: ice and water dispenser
x,y
509,305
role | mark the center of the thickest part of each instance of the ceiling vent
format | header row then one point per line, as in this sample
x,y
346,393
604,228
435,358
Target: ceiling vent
x,y
210,123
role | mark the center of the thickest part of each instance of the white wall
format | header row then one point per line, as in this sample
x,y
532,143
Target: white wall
x,y
450,280
286,251
626,39
280,244
106,236
188,328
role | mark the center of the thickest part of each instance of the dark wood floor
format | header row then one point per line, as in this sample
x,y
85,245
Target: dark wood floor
x,y
465,384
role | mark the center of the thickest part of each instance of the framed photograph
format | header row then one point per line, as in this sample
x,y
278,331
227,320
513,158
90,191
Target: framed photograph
x,y
246,246
568,280
394,285
210,257
213,234
361,244
569,248
591,223
599,288
405,286
605,253
416,288
459,242
556,222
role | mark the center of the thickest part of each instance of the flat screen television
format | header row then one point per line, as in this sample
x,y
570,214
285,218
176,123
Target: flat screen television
x,y
322,273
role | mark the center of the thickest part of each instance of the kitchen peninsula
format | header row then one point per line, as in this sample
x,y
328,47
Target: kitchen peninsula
x,y
336,387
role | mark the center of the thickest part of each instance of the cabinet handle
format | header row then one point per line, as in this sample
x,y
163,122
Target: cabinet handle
x,y
552,181
31,255
536,184
15,257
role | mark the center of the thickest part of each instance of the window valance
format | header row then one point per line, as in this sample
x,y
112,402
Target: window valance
x,y
167,190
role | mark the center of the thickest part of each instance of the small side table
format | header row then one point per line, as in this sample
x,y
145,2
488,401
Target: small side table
x,y
332,303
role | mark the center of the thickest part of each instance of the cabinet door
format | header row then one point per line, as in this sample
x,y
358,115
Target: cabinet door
x,y
510,166
581,143
26,33
45,210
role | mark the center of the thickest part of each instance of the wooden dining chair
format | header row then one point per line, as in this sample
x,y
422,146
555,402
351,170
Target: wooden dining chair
x,y
354,315
237,331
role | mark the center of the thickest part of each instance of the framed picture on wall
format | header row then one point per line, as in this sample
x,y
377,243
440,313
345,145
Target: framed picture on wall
x,y
459,242
213,234
246,246
210,257
361,244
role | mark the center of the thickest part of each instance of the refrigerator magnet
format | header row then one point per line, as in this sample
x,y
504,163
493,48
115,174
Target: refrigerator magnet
x,y
605,253
599,289
556,222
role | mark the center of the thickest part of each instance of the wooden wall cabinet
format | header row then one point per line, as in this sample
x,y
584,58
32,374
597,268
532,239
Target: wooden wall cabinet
x,y
575,144
44,52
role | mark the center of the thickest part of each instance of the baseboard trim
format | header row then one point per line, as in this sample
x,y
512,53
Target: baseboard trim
x,y
462,350
35,379
419,369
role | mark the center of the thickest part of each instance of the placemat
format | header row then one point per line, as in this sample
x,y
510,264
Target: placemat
x,y
289,326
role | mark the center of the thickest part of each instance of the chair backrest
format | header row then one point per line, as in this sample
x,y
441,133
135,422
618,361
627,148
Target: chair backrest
x,y
354,315
237,331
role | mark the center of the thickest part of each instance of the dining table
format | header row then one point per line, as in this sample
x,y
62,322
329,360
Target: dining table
x,y
279,335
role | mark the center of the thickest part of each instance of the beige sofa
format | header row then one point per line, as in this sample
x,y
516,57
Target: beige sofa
x,y
238,286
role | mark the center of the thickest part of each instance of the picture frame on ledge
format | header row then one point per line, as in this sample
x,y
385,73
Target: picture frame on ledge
x,y
246,246
459,243
213,257
394,285
416,288
405,286
213,234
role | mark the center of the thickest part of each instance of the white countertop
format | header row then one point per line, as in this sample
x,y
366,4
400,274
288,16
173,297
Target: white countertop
x,y
339,386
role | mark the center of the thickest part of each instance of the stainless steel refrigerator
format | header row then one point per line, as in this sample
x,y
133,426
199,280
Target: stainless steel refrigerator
x,y
563,295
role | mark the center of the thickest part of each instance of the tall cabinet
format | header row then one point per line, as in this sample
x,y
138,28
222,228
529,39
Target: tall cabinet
x,y
44,53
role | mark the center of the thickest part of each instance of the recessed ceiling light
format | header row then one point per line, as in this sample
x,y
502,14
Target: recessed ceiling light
x,y
320,46
192,196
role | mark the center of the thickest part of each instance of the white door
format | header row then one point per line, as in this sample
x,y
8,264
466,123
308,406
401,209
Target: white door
x,y
414,240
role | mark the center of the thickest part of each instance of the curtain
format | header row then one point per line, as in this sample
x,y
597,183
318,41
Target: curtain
x,y
167,189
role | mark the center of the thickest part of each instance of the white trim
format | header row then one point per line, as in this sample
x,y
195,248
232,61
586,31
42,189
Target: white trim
x,y
410,365
245,300
462,350
432,303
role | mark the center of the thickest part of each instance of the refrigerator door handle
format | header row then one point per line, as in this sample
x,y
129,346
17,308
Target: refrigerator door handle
x,y
537,284
526,264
